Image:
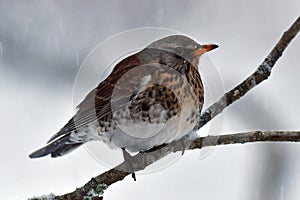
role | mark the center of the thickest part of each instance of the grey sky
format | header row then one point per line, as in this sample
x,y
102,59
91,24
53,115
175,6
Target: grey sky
x,y
42,43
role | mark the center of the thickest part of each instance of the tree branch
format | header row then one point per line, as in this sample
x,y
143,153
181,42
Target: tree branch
x,y
140,161
144,159
262,73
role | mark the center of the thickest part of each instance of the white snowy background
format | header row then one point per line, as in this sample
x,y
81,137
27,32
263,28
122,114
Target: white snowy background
x,y
42,44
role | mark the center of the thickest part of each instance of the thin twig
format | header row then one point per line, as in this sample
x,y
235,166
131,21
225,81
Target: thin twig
x,y
262,73
142,160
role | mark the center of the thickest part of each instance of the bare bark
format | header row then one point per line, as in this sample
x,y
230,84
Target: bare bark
x,y
142,160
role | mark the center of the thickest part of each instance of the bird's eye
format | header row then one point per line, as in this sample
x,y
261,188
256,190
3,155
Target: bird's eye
x,y
179,50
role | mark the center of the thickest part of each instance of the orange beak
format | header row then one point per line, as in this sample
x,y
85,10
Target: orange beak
x,y
204,48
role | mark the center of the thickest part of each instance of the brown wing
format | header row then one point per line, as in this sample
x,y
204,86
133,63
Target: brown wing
x,y
97,104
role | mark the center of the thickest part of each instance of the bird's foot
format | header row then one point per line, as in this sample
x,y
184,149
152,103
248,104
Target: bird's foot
x,y
129,163
186,140
183,144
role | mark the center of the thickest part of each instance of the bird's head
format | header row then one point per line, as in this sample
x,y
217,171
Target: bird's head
x,y
182,46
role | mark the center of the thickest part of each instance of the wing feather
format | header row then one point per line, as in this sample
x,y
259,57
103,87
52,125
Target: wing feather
x,y
97,104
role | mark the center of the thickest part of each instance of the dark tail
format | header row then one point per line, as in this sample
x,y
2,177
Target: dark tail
x,y
56,148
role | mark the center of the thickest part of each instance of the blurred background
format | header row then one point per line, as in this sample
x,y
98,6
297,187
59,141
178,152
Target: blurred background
x,y
43,43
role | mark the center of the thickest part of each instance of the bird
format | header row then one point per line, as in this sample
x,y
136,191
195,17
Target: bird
x,y
150,98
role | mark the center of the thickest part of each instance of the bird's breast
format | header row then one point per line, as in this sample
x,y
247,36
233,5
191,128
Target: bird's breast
x,y
160,112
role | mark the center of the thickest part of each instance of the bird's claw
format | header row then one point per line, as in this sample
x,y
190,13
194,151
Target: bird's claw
x,y
129,163
183,146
